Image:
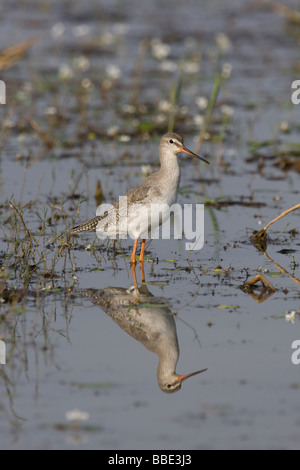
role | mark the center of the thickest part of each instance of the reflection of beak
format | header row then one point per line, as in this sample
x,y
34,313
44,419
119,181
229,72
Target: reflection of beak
x,y
189,152
183,377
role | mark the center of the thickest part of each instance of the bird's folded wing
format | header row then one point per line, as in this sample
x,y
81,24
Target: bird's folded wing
x,y
142,194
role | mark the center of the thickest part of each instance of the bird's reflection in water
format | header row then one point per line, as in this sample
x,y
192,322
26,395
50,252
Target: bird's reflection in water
x,y
149,320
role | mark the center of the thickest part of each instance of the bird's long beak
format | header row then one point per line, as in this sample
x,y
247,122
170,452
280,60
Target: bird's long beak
x,y
189,152
183,377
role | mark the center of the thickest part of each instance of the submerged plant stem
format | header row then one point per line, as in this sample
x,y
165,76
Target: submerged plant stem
x,y
214,96
22,220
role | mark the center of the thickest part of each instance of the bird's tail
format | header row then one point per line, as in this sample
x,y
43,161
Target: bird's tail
x,y
89,226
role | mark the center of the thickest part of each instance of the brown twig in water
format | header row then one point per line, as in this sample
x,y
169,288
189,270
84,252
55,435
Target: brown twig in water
x,y
48,141
260,237
281,269
266,288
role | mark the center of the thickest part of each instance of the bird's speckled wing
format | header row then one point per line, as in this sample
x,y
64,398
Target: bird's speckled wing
x,y
143,194
145,191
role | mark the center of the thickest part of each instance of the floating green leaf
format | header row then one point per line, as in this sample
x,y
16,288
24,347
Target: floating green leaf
x,y
228,306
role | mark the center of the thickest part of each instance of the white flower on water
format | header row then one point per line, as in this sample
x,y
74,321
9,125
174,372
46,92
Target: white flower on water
x,y
223,42
81,30
191,67
198,120
164,106
77,415
284,126
112,130
113,72
8,123
86,84
22,138
159,49
57,30
201,102
183,110
51,111
124,138
232,153
65,72
227,110
160,118
128,109
81,63
107,38
290,316
226,70
46,288
168,66
146,170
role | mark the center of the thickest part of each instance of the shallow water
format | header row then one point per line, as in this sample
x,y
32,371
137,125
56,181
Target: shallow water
x,y
66,353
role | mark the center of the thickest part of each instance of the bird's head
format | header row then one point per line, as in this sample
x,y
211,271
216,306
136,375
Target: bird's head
x,y
172,142
173,383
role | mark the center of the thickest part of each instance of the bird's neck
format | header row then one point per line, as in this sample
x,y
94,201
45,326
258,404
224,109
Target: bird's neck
x,y
169,171
168,161
168,358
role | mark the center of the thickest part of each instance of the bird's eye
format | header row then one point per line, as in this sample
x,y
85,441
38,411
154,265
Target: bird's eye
x,y
171,141
169,385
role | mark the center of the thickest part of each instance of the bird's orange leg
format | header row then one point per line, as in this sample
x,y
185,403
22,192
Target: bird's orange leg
x,y
142,252
142,272
134,275
132,259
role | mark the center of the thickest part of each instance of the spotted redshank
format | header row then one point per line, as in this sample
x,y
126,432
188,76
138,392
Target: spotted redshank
x,y
160,187
149,320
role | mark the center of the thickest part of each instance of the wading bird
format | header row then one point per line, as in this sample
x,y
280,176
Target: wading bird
x,y
159,188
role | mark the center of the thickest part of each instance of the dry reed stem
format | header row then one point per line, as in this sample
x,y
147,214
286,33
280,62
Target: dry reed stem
x,y
281,269
13,54
291,15
284,213
261,235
